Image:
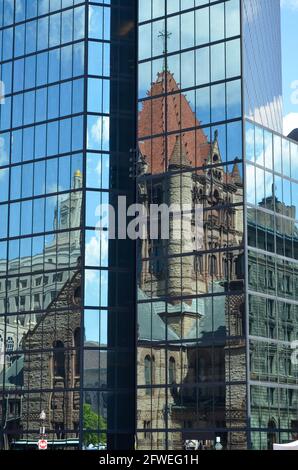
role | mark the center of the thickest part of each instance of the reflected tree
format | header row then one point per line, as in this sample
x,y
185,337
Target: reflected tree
x,y
93,421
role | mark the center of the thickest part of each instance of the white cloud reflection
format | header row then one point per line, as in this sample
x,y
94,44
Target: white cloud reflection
x,y
98,134
290,122
289,4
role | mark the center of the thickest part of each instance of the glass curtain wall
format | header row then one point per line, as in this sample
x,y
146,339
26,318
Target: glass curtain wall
x,y
61,121
109,277
262,62
42,140
272,230
191,351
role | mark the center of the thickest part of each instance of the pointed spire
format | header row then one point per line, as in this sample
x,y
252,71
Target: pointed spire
x,y
215,156
178,158
164,36
178,113
236,174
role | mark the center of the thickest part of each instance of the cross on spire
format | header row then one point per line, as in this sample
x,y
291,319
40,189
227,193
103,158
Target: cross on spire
x,y
164,36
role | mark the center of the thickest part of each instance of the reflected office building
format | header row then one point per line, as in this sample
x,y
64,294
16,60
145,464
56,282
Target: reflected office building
x,y
161,341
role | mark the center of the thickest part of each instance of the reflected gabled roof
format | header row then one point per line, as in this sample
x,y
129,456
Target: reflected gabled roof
x,y
151,327
209,318
160,115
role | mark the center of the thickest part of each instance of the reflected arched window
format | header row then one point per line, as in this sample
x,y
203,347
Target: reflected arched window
x,y
225,268
77,345
1,343
198,264
212,265
77,296
216,197
272,434
9,344
149,372
153,370
58,359
172,370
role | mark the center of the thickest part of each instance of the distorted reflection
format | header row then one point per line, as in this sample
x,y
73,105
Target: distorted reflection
x,y
191,302
272,279
42,298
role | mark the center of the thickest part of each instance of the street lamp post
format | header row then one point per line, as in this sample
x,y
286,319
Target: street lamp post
x,y
42,418
218,445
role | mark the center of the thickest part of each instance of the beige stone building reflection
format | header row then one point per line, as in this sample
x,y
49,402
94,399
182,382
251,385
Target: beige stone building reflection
x,y
26,294
44,348
183,343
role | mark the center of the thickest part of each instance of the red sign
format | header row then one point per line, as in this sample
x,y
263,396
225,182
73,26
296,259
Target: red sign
x,y
42,444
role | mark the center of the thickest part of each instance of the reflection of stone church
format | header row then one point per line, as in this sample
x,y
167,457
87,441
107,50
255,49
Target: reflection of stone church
x,y
58,369
49,343
27,294
197,353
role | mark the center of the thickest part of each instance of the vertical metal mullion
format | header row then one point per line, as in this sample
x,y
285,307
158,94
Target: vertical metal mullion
x,y
3,415
83,234
245,214
136,6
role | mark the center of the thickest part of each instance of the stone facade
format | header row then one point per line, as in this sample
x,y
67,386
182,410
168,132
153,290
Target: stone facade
x,y
60,399
187,169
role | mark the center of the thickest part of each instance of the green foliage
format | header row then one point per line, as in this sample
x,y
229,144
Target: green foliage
x,y
93,421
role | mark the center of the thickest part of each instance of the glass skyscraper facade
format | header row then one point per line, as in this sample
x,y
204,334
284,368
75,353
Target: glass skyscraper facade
x,y
271,195
191,380
67,294
262,62
154,342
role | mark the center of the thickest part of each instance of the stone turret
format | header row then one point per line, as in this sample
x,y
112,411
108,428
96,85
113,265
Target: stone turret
x,y
179,193
236,174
